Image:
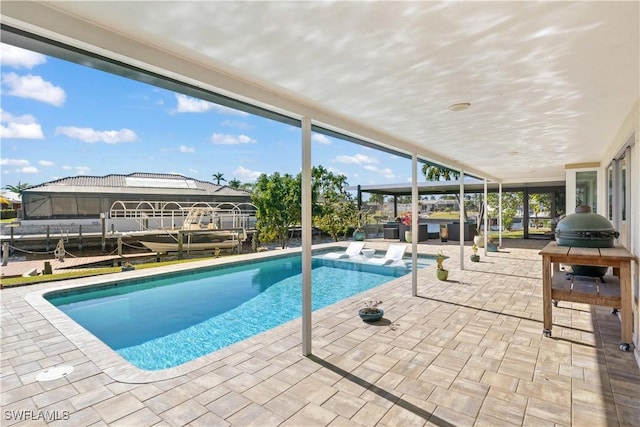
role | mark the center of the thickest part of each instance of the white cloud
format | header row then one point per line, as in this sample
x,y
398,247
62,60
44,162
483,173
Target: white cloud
x,y
321,139
367,162
358,159
188,104
246,175
185,149
386,172
79,170
196,171
33,87
28,169
16,57
46,163
218,138
23,165
23,127
14,162
91,135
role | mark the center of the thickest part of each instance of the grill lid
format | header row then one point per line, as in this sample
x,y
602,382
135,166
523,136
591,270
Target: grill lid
x,y
585,222
586,229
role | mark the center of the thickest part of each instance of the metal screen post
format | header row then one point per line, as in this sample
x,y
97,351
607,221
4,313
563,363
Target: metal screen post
x,y
484,219
462,223
414,224
306,236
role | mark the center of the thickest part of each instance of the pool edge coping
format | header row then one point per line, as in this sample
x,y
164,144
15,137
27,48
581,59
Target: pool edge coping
x,y
107,359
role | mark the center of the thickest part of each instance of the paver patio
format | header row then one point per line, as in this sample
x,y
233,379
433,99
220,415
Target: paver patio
x,y
468,351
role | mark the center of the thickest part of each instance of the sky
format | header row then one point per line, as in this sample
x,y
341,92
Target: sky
x,y
60,119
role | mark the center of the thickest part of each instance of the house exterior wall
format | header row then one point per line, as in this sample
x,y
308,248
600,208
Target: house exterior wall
x,y
629,135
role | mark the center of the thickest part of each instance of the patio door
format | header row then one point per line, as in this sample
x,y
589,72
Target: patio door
x,y
619,196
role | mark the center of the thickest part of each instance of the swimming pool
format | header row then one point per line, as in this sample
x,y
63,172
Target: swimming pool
x,y
162,322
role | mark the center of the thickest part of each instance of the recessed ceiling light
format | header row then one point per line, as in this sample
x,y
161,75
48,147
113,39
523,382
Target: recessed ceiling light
x,y
459,107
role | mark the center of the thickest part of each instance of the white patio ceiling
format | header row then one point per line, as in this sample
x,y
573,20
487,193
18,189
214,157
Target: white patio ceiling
x,y
549,83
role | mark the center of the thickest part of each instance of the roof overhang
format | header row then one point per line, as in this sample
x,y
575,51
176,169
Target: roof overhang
x,y
549,83
448,187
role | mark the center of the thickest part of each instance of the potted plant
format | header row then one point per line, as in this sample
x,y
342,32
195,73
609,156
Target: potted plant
x,y
440,271
406,220
491,245
361,219
475,257
371,312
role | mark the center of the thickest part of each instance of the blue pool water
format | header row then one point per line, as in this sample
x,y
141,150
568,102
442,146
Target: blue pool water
x,y
163,322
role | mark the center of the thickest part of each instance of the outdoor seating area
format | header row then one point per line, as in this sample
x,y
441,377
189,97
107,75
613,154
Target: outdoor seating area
x,y
466,351
428,231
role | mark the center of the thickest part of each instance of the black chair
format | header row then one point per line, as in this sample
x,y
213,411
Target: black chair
x,y
454,231
390,230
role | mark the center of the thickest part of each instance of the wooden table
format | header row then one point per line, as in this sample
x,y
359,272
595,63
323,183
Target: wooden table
x,y
614,292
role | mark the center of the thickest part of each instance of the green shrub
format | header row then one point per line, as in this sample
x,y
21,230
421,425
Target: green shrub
x,y
8,214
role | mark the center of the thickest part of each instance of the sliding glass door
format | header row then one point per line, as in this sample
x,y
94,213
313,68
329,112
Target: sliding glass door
x,y
619,196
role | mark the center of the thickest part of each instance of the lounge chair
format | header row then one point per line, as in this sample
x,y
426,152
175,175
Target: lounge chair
x,y
393,254
353,250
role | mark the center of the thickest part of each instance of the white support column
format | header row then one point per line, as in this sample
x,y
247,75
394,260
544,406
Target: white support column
x,y
414,224
306,236
484,219
462,224
500,214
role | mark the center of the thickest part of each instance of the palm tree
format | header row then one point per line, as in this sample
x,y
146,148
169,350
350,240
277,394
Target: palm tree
x,y
436,173
218,177
18,189
235,183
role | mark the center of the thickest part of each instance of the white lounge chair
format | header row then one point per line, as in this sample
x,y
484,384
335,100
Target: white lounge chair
x,y
353,250
394,254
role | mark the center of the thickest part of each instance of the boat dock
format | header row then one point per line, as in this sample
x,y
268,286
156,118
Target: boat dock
x,y
36,267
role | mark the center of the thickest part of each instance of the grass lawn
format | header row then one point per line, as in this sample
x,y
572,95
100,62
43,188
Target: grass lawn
x,y
445,215
508,234
19,281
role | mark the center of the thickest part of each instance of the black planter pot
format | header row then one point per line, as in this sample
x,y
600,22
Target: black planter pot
x,y
369,316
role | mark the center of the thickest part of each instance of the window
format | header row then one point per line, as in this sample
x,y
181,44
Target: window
x,y
587,189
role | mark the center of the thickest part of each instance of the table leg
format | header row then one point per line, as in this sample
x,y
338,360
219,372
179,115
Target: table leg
x,y
547,313
626,328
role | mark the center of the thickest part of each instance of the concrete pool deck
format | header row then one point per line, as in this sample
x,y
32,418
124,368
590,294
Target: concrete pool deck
x,y
468,351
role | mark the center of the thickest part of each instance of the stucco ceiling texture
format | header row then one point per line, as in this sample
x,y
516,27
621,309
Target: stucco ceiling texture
x,y
549,83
